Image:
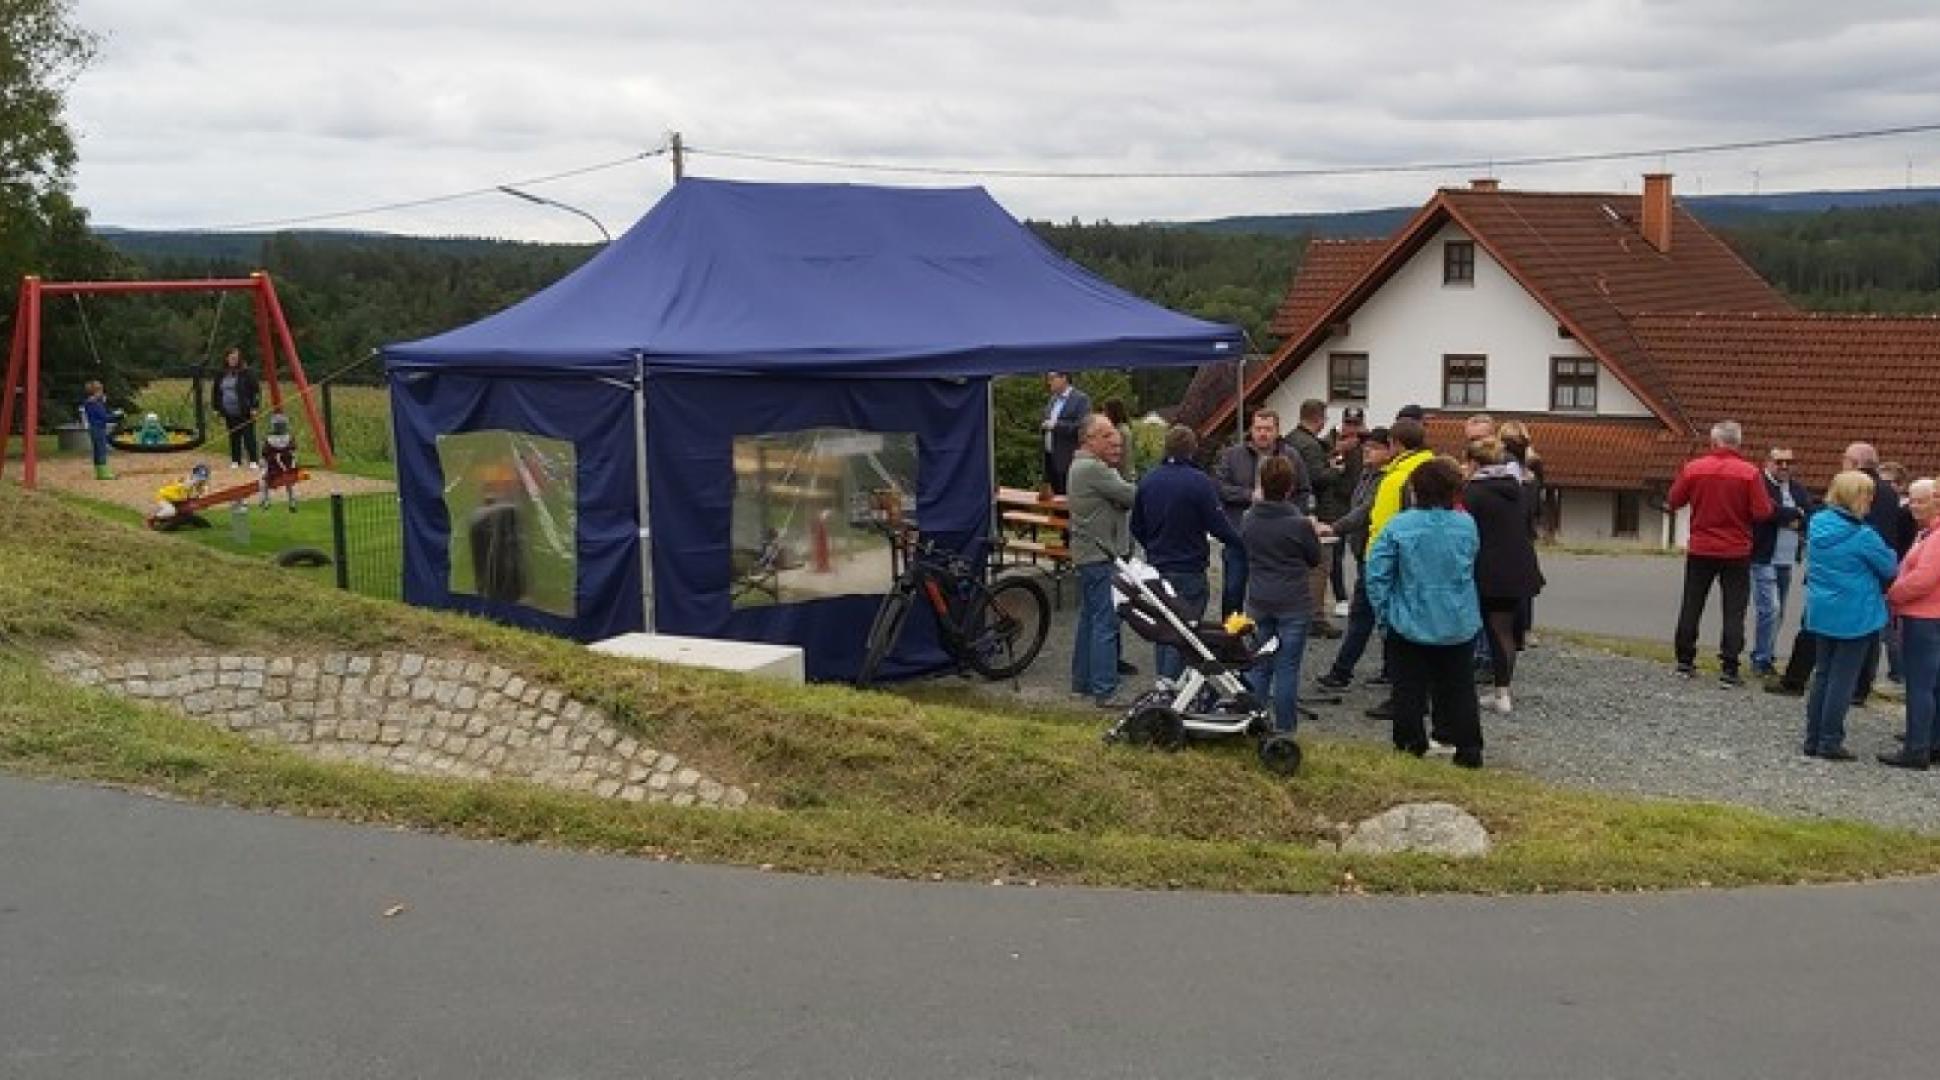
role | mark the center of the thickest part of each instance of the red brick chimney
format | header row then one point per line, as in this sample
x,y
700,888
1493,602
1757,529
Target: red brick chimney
x,y
1657,211
1485,183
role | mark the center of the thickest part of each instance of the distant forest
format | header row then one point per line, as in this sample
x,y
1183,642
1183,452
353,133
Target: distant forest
x,y
347,293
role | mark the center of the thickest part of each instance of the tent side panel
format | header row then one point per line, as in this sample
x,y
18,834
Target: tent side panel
x,y
692,424
596,419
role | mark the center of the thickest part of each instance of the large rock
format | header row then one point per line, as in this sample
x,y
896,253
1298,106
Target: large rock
x,y
1435,828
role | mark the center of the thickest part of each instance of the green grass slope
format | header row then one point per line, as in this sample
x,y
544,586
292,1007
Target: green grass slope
x,y
842,780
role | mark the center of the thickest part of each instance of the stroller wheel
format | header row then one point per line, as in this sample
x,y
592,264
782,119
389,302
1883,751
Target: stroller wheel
x,y
1280,754
1155,725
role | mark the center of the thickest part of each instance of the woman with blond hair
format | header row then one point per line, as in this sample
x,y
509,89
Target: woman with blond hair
x,y
1848,568
1514,435
1506,570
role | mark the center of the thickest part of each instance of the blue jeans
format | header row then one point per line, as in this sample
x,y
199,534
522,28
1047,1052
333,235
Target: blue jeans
x,y
1769,587
1278,675
1360,628
1094,655
1920,664
1193,590
98,440
1232,580
1833,680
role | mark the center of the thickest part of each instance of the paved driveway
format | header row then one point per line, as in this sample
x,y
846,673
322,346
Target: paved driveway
x,y
141,938
1634,596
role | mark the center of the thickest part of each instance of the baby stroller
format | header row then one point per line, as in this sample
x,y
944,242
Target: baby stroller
x,y
1209,700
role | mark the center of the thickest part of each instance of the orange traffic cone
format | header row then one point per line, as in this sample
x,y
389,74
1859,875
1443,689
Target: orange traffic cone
x,y
818,545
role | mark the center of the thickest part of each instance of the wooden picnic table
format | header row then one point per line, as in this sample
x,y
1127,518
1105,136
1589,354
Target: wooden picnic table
x,y
1036,527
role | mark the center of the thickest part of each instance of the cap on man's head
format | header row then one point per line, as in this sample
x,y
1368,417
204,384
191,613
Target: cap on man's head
x,y
1376,435
1353,414
1411,412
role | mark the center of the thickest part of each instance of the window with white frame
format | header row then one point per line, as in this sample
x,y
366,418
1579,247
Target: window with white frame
x,y
1458,262
1465,380
1572,384
1347,377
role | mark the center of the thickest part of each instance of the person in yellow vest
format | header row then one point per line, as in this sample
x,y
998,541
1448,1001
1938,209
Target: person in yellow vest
x,y
1409,438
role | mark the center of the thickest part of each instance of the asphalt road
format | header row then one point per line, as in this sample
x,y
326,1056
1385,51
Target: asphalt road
x,y
1636,596
142,938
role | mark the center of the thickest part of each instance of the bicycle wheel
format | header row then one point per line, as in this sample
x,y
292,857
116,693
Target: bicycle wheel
x,y
883,632
1005,629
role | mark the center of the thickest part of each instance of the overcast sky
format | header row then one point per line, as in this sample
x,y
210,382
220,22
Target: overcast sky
x,y
225,112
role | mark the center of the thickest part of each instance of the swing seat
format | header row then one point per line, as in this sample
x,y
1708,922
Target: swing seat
x,y
179,439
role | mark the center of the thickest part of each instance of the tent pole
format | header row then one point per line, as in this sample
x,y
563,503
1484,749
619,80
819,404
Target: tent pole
x,y
995,535
640,472
1239,394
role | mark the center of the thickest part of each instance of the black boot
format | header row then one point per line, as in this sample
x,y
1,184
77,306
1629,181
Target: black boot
x,y
1906,759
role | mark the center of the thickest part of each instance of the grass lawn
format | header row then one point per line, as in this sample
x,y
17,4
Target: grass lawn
x,y
361,414
912,786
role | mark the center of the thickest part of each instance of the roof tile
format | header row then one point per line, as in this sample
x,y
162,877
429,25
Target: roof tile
x,y
1813,382
1605,454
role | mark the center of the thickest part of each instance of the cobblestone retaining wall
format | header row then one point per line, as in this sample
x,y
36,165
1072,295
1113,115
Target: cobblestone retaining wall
x,y
411,714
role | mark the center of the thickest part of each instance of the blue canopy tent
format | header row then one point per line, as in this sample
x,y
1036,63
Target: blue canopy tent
x,y
661,382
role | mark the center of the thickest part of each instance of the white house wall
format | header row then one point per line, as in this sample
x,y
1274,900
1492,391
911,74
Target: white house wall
x,y
1590,518
1413,320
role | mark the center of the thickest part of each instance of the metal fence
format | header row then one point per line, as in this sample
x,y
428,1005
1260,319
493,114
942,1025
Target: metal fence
x,y
367,541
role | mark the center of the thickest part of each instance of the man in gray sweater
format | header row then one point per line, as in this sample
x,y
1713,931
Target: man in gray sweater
x,y
1352,528
1101,500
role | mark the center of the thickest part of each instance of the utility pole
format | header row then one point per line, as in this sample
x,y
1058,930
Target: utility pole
x,y
679,155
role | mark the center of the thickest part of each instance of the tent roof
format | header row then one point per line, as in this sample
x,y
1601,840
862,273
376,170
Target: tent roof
x,y
826,279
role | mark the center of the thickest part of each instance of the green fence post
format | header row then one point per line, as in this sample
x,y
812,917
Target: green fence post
x,y
339,543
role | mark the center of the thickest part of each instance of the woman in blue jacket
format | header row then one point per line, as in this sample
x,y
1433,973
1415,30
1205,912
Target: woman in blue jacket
x,y
1420,579
1848,567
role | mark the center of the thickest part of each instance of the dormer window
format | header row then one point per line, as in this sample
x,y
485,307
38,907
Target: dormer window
x,y
1458,262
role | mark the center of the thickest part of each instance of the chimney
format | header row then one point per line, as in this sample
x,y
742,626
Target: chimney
x,y
1657,211
1485,183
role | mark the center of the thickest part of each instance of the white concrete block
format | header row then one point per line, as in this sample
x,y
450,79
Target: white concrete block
x,y
783,662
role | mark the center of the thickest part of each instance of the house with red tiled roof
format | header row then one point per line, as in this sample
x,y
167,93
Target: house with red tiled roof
x,y
1526,306
1811,381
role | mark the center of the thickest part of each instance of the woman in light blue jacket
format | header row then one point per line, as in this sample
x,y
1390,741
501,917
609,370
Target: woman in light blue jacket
x,y
1848,567
1420,579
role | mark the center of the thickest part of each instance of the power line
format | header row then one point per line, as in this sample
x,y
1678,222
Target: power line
x,y
431,200
1327,171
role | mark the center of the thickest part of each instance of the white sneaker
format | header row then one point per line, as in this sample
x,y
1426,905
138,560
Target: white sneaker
x,y
255,466
235,464
1502,703
1341,610
1437,748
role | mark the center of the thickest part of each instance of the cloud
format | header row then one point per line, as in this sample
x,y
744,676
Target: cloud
x,y
222,111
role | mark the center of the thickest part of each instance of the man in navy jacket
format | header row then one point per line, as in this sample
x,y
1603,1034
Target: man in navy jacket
x,y
1174,510
1777,545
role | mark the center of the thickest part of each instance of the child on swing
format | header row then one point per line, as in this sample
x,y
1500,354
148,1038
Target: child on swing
x,y
279,460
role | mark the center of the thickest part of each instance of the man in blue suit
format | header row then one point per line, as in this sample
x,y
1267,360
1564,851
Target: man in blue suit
x,y
1064,418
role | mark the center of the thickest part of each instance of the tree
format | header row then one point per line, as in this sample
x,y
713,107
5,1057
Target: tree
x,y
42,50
42,231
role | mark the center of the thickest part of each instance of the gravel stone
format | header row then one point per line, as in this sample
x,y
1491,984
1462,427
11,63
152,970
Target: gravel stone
x,y
1589,719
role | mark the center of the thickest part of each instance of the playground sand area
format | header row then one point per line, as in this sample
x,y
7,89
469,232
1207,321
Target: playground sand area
x,y
138,475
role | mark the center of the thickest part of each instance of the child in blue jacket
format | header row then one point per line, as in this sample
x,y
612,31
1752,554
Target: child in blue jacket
x,y
100,420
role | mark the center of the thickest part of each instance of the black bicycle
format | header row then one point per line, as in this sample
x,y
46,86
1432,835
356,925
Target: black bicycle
x,y
994,629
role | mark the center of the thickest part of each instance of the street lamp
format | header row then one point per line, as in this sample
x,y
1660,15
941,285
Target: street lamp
x,y
606,237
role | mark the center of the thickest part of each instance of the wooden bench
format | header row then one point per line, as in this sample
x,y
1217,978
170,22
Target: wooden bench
x,y
1036,529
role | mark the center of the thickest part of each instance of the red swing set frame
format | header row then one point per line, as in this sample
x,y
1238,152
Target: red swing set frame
x,y
23,359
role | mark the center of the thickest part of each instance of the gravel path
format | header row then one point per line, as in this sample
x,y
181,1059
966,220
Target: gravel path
x,y
1591,719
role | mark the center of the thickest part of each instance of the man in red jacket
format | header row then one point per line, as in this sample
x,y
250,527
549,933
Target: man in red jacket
x,y
1727,497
